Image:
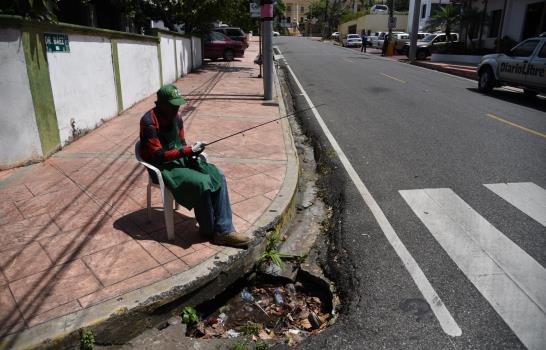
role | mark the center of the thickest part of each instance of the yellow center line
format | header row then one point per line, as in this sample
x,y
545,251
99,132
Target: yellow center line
x,y
531,131
393,78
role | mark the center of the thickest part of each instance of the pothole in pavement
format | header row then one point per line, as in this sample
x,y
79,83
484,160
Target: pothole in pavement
x,y
265,308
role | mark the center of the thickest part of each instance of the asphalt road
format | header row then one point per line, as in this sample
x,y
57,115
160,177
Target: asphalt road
x,y
405,128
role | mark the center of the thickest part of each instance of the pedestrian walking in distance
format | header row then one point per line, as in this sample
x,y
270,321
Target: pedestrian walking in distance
x,y
364,41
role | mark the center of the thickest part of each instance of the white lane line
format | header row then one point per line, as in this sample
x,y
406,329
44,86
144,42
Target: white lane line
x,y
508,278
526,196
447,322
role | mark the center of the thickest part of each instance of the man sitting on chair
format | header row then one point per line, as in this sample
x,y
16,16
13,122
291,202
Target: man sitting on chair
x,y
193,182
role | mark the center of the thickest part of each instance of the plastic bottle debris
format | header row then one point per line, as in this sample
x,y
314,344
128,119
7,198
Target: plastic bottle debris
x,y
222,318
232,333
278,297
247,296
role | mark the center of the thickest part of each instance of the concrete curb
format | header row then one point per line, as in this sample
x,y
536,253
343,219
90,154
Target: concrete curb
x,y
118,320
452,71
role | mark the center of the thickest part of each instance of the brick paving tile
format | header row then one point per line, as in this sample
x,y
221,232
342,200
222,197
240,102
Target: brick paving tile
x,y
51,186
198,256
3,280
15,193
272,194
50,289
255,185
277,173
80,216
9,213
132,283
65,309
176,266
11,320
119,262
235,171
251,209
235,197
80,242
26,231
240,224
157,251
51,202
23,261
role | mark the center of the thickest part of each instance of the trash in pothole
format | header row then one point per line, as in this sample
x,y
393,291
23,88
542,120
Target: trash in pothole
x,y
266,310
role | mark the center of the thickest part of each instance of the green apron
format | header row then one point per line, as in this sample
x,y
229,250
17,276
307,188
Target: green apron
x,y
187,178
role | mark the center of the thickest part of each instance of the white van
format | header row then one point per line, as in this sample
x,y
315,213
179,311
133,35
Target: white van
x,y
379,9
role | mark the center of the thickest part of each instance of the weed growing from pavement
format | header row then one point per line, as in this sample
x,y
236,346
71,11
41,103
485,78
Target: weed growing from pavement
x,y
272,254
251,328
261,345
242,344
87,339
189,316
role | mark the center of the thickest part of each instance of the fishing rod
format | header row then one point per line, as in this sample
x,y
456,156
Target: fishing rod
x,y
262,124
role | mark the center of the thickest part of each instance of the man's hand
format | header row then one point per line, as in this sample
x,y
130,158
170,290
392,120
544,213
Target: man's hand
x,y
198,147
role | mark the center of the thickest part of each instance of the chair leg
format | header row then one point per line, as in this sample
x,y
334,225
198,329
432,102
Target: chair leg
x,y
168,211
149,201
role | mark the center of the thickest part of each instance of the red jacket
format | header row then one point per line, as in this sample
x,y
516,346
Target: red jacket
x,y
151,149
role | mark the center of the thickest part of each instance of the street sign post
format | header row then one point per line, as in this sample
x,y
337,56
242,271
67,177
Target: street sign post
x,y
57,42
255,9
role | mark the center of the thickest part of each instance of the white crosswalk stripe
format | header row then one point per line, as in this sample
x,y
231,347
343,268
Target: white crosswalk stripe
x,y
508,278
526,196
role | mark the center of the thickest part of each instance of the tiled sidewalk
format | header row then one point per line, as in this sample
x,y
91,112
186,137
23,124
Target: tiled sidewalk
x,y
73,230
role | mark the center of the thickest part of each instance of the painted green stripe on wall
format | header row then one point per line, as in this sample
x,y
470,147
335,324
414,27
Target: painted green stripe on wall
x,y
117,76
40,88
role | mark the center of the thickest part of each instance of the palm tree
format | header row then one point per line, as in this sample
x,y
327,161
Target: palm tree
x,y
447,18
471,20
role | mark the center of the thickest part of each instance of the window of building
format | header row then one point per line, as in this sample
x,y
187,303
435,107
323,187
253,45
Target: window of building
x,y
302,9
424,11
494,23
289,8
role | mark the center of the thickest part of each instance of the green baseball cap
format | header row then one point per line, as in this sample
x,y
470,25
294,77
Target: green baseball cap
x,y
170,94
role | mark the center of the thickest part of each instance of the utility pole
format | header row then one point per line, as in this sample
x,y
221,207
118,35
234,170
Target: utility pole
x,y
414,30
390,42
266,12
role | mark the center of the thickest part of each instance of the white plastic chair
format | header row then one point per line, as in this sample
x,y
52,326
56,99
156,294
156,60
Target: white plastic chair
x,y
165,194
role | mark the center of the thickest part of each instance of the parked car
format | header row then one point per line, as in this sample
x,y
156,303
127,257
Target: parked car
x,y
335,35
425,46
382,38
352,40
375,38
400,39
234,33
218,45
524,66
276,34
379,9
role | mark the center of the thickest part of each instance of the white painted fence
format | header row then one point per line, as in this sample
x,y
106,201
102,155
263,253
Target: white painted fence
x,y
84,82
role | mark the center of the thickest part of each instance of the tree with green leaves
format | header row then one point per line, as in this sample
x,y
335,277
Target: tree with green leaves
x,y
445,19
41,10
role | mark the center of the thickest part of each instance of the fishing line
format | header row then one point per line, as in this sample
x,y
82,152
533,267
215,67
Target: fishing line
x,y
262,124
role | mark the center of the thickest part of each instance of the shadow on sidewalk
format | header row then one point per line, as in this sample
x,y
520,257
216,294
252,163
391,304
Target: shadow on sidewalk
x,y
517,98
185,228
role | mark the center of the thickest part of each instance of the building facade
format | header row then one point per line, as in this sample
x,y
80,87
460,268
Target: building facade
x,y
295,14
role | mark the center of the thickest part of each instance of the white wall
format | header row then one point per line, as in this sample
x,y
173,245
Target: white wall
x,y
139,71
185,56
168,59
197,53
19,138
83,84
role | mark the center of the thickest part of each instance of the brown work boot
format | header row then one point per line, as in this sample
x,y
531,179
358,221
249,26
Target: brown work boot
x,y
232,239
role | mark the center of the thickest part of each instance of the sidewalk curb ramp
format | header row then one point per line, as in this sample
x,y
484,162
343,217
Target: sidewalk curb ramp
x,y
116,321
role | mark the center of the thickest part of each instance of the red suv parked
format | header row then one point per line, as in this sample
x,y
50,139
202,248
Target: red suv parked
x,y
218,45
